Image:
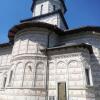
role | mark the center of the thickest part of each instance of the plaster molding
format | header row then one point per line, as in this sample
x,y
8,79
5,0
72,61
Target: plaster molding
x,y
29,58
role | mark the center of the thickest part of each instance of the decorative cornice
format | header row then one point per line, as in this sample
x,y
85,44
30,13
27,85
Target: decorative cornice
x,y
32,88
25,91
64,56
28,58
5,67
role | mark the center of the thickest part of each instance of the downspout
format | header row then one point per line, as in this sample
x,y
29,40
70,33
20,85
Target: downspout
x,y
47,68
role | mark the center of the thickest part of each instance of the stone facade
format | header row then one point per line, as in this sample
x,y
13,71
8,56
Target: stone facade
x,y
34,75
45,61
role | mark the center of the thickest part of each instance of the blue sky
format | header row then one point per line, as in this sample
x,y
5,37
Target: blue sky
x,y
80,13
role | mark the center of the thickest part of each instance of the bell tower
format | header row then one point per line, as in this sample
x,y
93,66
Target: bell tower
x,y
40,7
49,11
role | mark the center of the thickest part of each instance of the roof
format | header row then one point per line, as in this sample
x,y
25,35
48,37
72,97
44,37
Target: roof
x,y
5,44
83,29
24,25
62,1
89,47
48,14
58,31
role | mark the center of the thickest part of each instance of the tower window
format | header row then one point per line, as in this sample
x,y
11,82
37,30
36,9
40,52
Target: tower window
x,y
41,9
87,76
54,7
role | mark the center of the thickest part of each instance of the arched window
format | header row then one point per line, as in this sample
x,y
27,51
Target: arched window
x,y
74,74
18,78
40,76
52,76
41,10
61,71
28,76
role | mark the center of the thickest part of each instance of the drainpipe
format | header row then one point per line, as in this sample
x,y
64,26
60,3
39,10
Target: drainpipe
x,y
47,68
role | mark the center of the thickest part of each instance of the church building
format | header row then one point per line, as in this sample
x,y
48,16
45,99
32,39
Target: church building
x,y
45,60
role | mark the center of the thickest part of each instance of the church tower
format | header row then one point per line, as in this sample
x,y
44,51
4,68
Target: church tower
x,y
41,7
49,11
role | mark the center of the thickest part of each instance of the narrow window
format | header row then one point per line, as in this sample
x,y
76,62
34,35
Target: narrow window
x,y
41,9
51,98
11,73
4,82
87,76
54,7
30,68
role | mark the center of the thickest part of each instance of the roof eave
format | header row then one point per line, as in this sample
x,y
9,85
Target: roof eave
x,y
82,29
6,45
24,25
48,14
89,47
